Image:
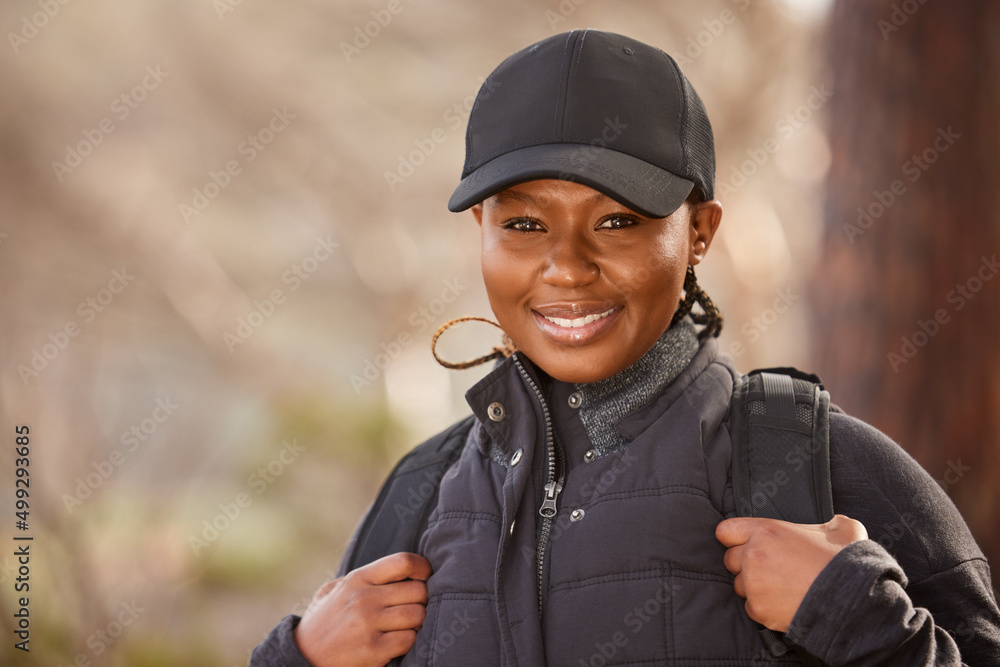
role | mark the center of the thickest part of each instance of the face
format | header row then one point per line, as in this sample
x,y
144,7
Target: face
x,y
583,285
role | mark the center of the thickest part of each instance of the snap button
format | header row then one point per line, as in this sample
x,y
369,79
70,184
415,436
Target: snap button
x,y
589,455
496,411
514,460
576,515
575,399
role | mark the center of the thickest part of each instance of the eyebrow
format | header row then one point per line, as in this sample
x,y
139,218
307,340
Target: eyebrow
x,y
504,196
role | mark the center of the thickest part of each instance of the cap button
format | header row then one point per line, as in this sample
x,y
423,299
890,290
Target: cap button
x,y
575,399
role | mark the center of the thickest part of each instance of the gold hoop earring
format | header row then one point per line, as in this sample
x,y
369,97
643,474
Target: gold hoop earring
x,y
505,351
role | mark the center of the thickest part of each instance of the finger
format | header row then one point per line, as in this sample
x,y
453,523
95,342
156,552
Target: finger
x,y
396,643
395,567
733,559
738,586
420,567
752,612
402,592
401,617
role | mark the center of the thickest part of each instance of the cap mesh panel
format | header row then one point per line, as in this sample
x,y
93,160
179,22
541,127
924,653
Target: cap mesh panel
x,y
699,143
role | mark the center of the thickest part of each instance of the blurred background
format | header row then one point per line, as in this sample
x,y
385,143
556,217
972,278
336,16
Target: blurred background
x,y
224,249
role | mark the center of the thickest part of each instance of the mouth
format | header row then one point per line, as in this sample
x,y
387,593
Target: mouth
x,y
579,321
572,325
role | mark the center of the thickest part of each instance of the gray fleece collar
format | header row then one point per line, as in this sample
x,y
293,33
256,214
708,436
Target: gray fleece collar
x,y
606,402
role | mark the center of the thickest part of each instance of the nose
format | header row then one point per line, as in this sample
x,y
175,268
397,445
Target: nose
x,y
570,264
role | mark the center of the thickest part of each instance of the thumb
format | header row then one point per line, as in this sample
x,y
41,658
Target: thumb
x,y
738,530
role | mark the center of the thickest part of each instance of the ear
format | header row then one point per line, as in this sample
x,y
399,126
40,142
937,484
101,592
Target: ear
x,y
477,211
705,219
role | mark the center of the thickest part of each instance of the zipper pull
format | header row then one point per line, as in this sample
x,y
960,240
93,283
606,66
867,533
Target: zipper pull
x,y
552,490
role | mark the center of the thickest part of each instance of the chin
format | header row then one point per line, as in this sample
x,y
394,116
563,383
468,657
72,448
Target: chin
x,y
576,373
574,378
583,363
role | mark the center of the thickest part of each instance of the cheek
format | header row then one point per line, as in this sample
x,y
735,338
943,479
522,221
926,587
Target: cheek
x,y
659,268
503,278
493,266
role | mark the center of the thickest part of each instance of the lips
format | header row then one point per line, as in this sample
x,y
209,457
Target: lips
x,y
575,324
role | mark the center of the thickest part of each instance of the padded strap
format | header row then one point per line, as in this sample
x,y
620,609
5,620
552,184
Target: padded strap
x,y
779,395
780,430
398,517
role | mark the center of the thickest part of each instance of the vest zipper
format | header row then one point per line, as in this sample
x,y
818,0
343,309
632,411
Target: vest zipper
x,y
553,487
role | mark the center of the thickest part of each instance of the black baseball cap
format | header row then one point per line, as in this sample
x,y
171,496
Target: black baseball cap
x,y
592,107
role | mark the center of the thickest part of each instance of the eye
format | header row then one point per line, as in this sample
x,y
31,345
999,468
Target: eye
x,y
522,225
617,221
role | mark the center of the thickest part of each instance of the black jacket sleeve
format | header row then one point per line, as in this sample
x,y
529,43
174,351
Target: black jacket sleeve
x,y
279,648
918,592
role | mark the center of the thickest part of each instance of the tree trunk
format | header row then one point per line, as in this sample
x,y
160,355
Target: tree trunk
x,y
907,295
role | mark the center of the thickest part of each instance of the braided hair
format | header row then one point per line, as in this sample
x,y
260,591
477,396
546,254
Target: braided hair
x,y
710,316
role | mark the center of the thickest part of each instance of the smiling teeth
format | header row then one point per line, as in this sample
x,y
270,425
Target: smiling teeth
x,y
578,322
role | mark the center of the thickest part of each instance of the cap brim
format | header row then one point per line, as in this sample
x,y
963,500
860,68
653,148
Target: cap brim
x,y
644,188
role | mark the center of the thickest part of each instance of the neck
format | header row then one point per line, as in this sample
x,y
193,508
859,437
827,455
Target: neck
x,y
607,401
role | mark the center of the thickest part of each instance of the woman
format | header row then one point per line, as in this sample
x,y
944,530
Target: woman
x,y
585,522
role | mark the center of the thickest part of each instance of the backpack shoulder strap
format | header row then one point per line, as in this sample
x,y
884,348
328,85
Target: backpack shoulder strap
x,y
398,517
780,428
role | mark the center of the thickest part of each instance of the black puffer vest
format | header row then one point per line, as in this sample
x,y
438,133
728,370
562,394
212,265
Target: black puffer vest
x,y
627,571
